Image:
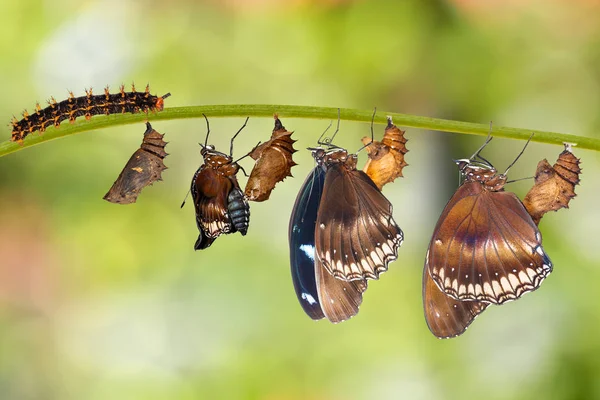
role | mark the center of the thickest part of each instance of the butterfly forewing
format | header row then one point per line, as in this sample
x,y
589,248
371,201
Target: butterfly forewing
x,y
447,317
486,247
356,236
302,243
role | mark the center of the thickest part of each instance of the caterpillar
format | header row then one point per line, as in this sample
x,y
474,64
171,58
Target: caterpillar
x,y
85,106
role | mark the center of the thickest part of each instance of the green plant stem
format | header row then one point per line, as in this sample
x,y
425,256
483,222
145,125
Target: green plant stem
x,y
289,111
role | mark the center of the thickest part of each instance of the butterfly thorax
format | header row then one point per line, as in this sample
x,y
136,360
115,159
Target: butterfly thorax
x,y
220,162
326,158
474,171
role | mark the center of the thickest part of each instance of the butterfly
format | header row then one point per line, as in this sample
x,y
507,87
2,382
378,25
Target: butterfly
x,y
485,249
221,207
341,233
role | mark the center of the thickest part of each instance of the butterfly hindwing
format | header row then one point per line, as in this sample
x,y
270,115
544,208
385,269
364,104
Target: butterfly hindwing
x,y
447,317
340,300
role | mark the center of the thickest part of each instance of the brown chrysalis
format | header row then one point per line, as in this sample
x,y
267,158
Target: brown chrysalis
x,y
85,106
143,168
386,158
273,163
554,185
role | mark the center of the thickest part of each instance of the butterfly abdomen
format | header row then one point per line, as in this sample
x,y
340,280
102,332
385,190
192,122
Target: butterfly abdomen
x,y
239,210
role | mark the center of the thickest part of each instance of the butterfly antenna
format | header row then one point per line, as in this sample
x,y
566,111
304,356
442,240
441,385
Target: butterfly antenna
x,y
520,179
372,133
207,130
519,156
185,198
327,141
489,139
242,157
484,160
337,129
233,138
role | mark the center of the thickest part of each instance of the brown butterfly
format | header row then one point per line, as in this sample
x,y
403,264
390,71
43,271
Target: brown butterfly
x,y
485,249
356,236
319,293
341,233
220,204
143,168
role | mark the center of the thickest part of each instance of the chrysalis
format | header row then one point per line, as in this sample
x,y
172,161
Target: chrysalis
x,y
554,185
386,158
143,168
273,163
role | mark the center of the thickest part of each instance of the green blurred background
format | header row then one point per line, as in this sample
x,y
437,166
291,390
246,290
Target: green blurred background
x,y
102,301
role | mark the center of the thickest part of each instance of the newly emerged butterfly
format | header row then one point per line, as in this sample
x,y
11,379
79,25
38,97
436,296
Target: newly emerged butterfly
x,y
143,168
319,293
220,204
85,106
485,249
341,233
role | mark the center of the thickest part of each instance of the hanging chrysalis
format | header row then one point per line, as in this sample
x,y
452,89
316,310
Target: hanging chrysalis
x,y
143,168
554,185
386,158
273,163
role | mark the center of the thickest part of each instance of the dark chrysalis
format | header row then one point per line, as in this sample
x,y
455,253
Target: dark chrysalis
x,y
386,158
220,204
85,106
485,249
143,168
273,163
554,185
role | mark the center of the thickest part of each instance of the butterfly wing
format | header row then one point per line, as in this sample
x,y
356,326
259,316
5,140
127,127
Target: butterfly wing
x,y
356,236
486,247
447,317
302,242
210,191
340,300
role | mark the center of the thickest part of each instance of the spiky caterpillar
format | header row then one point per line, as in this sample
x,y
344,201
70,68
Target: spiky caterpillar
x,y
85,106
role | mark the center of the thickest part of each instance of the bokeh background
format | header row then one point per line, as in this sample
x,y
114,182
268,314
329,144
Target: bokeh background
x,y
102,301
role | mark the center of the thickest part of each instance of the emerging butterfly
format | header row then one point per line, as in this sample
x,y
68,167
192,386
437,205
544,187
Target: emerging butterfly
x,y
341,233
220,204
485,249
